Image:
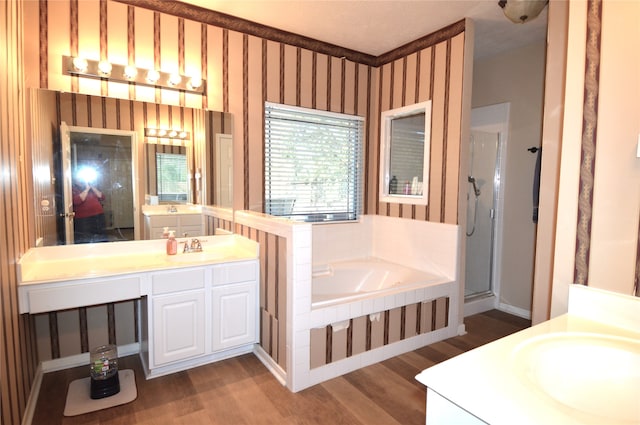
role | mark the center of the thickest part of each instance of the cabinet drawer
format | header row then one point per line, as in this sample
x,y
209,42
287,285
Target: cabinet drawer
x,y
235,272
183,280
164,220
83,294
190,220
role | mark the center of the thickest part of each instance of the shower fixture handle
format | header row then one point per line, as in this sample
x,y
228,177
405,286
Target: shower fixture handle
x,y
476,189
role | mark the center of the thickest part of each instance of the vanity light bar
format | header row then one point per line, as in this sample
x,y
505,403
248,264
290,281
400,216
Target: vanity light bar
x,y
163,133
130,74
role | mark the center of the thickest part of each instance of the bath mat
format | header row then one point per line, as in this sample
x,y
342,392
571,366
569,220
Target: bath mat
x,y
79,399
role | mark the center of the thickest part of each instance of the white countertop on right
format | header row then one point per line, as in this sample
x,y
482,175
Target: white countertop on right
x,y
568,370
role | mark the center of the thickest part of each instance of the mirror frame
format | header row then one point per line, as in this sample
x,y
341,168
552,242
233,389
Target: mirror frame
x,y
386,119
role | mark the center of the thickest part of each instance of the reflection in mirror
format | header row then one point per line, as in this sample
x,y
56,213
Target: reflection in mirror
x,y
404,160
48,109
168,173
101,179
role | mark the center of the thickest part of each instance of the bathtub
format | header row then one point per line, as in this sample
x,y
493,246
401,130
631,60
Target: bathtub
x,y
348,281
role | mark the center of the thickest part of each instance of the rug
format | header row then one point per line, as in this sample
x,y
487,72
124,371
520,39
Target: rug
x,y
79,399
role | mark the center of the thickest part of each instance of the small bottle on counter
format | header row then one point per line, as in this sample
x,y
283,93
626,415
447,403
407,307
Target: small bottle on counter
x,y
393,186
165,233
172,244
407,188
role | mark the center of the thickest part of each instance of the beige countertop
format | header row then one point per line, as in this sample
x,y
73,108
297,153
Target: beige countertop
x,y
73,262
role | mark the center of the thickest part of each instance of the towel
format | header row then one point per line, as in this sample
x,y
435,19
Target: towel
x,y
536,185
375,317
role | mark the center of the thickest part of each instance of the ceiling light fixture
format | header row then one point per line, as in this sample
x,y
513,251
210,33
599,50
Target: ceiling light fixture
x,y
82,67
521,11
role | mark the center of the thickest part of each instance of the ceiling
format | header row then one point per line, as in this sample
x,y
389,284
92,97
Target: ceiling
x,y
375,27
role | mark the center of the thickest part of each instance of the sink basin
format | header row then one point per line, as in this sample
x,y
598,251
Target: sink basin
x,y
596,375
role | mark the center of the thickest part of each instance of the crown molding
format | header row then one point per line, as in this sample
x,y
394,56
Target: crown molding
x,y
223,20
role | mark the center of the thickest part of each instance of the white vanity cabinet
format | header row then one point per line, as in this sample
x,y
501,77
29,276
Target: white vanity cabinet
x,y
197,315
154,225
177,325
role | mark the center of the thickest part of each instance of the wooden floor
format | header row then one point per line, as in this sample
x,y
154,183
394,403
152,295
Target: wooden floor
x,y
243,391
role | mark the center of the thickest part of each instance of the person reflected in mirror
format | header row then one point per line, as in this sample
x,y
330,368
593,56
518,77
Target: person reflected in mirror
x,y
89,221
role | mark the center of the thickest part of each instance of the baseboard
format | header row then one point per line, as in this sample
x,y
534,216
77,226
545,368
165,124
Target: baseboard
x,y
83,359
516,311
270,364
479,305
30,408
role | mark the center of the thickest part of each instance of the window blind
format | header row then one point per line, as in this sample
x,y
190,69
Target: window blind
x,y
171,172
313,164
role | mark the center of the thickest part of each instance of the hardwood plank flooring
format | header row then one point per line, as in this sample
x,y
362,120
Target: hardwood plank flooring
x,y
242,391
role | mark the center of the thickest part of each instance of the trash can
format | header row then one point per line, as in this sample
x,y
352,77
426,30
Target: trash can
x,y
104,371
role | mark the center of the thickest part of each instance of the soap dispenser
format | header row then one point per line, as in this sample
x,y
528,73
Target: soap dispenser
x,y
172,244
165,233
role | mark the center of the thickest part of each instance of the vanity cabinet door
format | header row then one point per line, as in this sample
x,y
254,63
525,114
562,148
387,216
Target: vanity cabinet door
x,y
234,315
179,326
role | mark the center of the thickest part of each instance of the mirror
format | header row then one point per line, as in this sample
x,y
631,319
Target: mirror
x,y
404,159
48,109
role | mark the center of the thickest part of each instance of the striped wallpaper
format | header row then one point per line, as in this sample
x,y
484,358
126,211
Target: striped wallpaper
x,y
18,359
245,65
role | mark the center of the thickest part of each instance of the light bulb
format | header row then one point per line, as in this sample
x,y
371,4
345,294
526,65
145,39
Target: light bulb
x,y
183,134
80,64
175,79
104,68
173,133
195,82
162,133
153,76
130,72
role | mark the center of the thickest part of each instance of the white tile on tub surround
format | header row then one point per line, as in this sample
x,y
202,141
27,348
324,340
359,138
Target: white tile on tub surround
x,y
343,312
420,244
410,297
340,241
367,306
356,309
379,304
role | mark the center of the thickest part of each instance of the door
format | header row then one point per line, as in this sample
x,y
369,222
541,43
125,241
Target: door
x,y
67,213
234,315
483,185
224,170
178,327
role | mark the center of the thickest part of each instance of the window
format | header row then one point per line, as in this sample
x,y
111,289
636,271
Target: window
x,y
171,171
312,164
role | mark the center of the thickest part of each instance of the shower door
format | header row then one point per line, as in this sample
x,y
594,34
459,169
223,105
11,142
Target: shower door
x,y
483,186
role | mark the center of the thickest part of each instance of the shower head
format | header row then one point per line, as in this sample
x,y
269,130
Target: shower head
x,y
472,180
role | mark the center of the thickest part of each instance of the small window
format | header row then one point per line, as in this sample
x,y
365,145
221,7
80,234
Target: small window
x,y
171,171
313,164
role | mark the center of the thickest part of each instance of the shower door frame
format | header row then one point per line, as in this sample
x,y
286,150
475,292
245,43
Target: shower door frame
x,y
493,119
